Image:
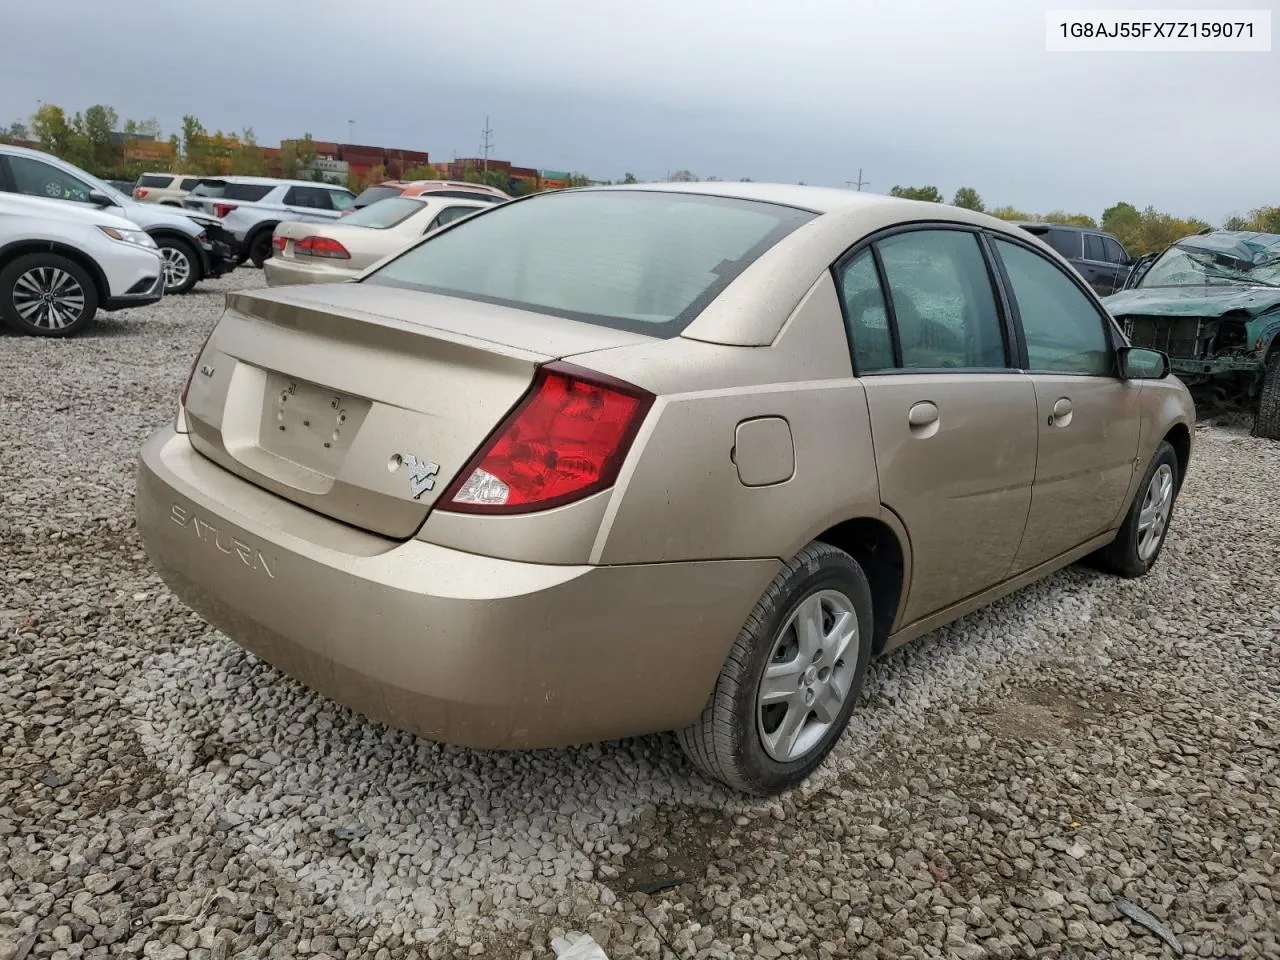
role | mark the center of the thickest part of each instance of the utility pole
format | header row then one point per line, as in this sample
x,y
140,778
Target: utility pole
x,y
486,144
859,183
351,126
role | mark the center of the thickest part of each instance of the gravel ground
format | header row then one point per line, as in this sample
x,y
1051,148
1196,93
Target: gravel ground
x,y
1005,785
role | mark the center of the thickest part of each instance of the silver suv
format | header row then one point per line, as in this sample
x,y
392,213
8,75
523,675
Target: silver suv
x,y
251,207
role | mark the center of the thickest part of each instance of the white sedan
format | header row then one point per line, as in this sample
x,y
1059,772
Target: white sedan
x,y
329,252
60,263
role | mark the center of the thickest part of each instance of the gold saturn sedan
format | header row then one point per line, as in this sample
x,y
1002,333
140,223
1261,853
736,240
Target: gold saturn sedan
x,y
330,252
611,461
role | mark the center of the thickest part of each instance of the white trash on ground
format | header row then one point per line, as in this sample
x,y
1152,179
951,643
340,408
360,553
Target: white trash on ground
x,y
584,948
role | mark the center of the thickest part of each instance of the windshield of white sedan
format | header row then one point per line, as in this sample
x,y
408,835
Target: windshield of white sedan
x,y
384,213
642,261
1184,265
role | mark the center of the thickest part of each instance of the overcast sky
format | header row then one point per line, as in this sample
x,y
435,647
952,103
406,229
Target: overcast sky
x,y
926,92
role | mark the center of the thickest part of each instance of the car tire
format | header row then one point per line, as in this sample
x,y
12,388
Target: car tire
x,y
1266,421
1141,537
181,264
26,281
260,247
743,740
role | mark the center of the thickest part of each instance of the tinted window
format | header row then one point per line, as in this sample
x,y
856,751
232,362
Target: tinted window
x,y
40,179
189,183
642,261
340,199
248,192
1063,328
159,183
1066,242
374,194
865,315
450,214
1114,252
384,213
943,305
1093,247
315,198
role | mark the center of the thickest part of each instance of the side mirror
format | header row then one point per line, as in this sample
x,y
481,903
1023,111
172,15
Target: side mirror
x,y
1137,363
101,199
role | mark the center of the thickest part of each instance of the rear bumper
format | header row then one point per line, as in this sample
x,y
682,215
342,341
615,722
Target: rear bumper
x,y
280,272
453,646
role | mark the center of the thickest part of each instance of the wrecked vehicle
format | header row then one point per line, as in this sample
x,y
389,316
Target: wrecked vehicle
x,y
1212,303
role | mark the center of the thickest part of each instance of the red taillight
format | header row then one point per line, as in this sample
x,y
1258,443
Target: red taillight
x,y
139,192
320,247
279,242
220,210
186,387
565,440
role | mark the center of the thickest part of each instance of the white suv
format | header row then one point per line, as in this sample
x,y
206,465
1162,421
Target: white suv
x,y
251,207
169,189
62,262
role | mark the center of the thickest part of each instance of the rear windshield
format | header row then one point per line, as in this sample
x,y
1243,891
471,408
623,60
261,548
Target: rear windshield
x,y
374,194
207,190
248,192
150,180
384,213
647,262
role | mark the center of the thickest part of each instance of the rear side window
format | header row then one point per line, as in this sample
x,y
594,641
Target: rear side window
x,y
316,198
1063,329
1115,252
944,308
155,182
189,183
1093,249
644,261
1066,242
450,214
865,315
248,192
340,199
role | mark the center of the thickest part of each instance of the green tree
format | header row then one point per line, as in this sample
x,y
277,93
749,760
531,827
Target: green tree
x,y
968,198
194,138
1235,222
1124,222
1072,219
18,130
99,123
683,176
1264,220
576,179
1010,213
931,194
629,178
424,171
50,128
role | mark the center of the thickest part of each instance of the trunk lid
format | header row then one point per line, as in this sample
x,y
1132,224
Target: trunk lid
x,y
362,402
364,245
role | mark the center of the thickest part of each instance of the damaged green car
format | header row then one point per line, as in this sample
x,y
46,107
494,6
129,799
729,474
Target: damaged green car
x,y
1212,303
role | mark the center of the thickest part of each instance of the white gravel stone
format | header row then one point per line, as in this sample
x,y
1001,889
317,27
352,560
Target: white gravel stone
x,y
163,793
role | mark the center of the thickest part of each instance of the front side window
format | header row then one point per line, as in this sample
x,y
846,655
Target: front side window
x,y
943,304
39,179
1063,329
866,318
644,261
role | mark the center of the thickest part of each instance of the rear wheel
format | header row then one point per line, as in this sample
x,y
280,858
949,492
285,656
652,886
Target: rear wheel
x,y
181,265
260,247
47,295
791,679
1266,423
1141,537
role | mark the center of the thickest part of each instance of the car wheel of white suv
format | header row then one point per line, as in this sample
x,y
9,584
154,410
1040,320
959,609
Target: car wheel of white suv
x,y
181,266
47,295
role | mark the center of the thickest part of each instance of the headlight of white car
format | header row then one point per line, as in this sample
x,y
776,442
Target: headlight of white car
x,y
137,237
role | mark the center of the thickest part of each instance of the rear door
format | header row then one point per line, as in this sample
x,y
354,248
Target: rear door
x,y
1089,418
953,421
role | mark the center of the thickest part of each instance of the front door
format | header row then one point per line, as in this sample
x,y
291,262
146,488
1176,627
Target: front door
x,y
1089,419
953,425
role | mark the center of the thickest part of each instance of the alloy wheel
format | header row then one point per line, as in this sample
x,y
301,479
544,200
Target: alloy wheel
x,y
1153,518
809,676
48,298
177,267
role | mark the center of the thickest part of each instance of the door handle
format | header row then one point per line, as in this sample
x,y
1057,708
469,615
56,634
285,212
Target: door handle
x,y
922,419
1061,415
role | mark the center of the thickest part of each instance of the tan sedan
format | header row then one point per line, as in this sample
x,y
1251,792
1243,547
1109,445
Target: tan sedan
x,y
683,457
329,252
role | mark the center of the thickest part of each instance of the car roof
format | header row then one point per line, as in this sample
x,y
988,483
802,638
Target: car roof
x,y
280,181
1042,225
815,199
